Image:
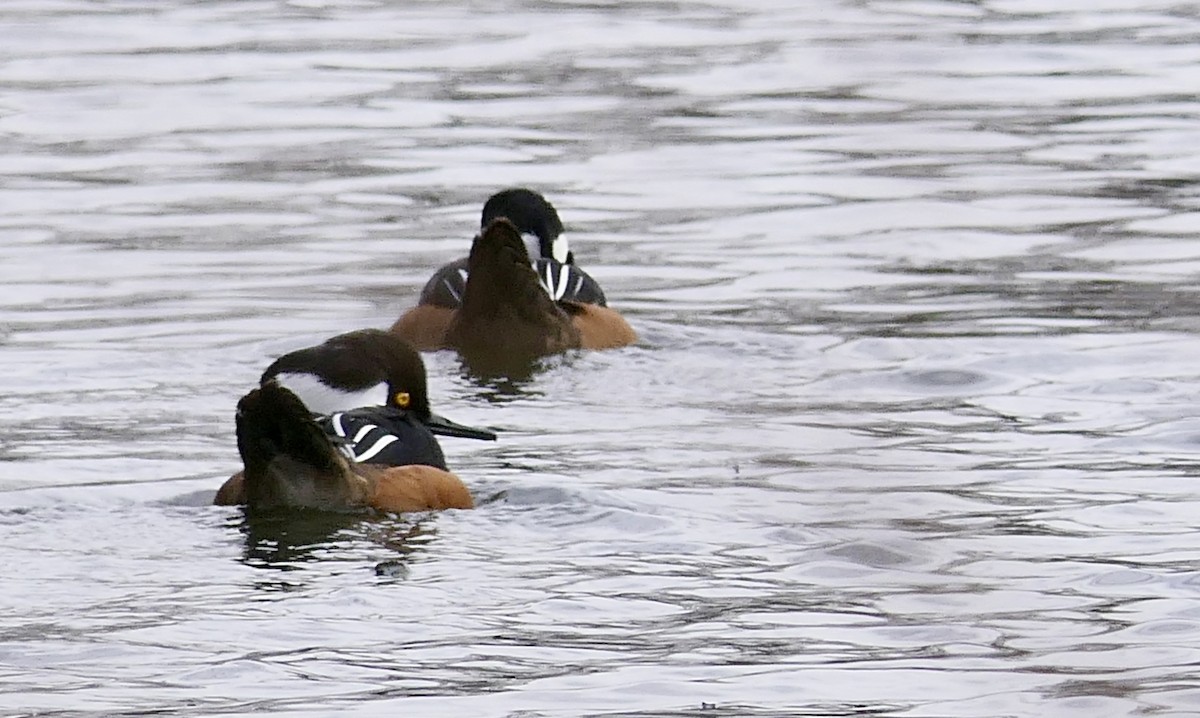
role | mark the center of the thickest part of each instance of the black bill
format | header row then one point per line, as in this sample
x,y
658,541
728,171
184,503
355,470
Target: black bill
x,y
442,426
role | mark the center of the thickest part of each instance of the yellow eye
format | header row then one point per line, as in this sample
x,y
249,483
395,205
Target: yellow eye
x,y
402,399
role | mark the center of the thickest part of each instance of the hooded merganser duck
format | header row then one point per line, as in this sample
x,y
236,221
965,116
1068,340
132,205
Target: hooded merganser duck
x,y
506,318
366,390
370,378
547,246
553,267
290,462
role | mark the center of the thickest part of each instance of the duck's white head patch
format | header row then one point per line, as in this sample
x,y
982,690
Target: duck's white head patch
x,y
559,249
320,398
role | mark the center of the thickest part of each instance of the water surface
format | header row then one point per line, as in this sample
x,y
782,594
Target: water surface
x,y
909,430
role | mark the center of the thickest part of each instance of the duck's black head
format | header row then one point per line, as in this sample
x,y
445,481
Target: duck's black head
x,y
360,368
535,218
367,367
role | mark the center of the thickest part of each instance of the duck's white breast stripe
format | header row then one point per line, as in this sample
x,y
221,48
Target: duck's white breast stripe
x,y
338,429
378,447
363,432
564,274
556,286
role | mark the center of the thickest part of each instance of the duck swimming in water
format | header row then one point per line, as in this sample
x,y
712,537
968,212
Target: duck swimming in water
x,y
547,246
499,290
366,391
291,463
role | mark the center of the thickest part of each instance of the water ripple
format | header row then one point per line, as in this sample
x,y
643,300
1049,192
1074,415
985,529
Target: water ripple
x,y
909,431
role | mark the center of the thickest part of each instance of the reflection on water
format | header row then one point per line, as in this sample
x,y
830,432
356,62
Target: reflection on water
x,y
290,541
910,429
286,542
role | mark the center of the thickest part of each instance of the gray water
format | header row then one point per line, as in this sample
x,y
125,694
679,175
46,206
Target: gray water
x,y
910,430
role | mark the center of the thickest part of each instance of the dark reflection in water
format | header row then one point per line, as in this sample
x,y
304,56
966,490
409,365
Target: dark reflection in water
x,y
291,541
500,384
287,540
